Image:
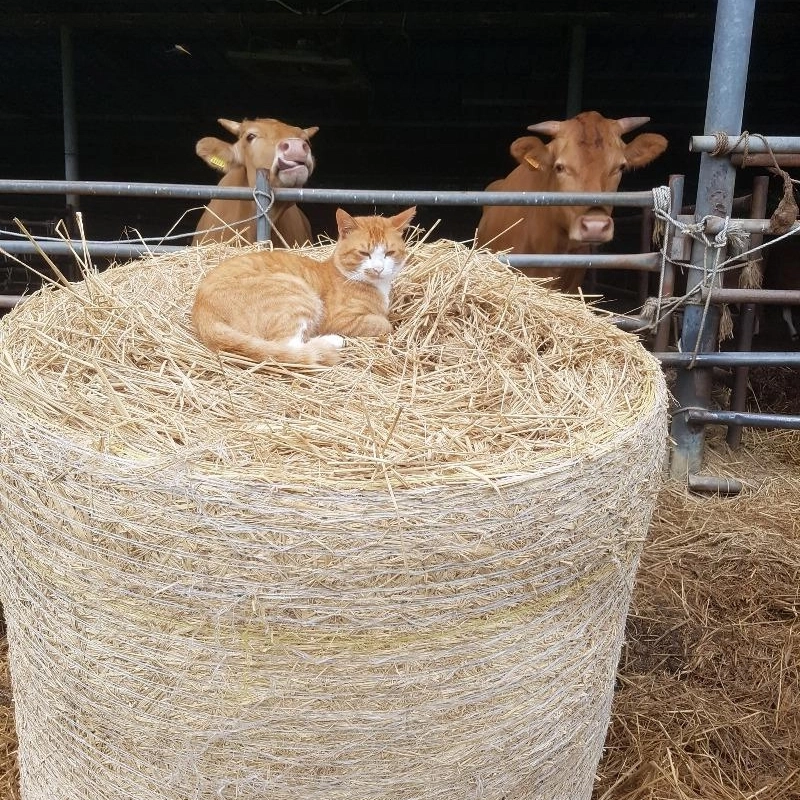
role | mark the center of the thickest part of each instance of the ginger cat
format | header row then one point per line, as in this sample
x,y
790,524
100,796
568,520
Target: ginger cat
x,y
286,307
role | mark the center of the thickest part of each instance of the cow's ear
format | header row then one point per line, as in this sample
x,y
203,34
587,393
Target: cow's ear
x,y
402,220
309,132
219,155
344,222
644,148
531,152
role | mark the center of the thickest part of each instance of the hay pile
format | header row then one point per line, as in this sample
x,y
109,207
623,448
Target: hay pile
x,y
707,705
405,576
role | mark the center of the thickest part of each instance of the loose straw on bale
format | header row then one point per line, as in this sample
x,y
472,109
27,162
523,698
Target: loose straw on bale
x,y
402,577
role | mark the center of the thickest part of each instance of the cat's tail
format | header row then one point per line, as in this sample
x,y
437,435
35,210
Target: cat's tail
x,y
322,350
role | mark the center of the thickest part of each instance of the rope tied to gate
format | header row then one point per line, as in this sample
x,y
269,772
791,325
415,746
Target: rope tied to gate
x,y
731,235
264,199
786,212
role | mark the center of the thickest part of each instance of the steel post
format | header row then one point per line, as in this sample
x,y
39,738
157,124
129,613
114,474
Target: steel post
x,y
263,195
747,317
675,247
724,109
577,58
70,114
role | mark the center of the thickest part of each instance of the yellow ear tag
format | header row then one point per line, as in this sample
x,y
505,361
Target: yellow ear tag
x,y
533,162
217,162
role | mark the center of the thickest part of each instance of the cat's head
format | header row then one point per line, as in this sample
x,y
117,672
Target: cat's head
x,y
371,249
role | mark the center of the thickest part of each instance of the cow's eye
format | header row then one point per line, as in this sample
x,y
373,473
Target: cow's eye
x,y
621,167
559,167
250,136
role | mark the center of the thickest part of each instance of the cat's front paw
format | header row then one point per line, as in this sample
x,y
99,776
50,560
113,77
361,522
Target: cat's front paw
x,y
333,339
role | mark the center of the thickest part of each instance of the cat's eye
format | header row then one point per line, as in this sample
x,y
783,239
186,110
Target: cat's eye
x,y
391,253
364,253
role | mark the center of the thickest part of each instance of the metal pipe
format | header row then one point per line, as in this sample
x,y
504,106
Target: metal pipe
x,y
724,109
707,483
677,243
642,261
732,359
750,420
747,319
70,114
769,297
766,160
355,196
646,245
714,225
649,262
70,247
263,193
755,144
629,322
577,57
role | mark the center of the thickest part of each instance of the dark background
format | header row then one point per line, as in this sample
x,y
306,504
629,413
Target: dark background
x,y
409,95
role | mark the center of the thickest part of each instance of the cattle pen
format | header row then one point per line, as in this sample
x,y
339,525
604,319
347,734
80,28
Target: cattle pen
x,y
693,356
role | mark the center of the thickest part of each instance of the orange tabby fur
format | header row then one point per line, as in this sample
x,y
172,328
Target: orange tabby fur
x,y
283,306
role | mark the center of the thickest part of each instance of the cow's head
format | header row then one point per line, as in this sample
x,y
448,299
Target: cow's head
x,y
268,144
586,154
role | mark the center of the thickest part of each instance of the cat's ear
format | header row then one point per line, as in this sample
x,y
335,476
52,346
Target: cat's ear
x,y
402,220
216,153
344,222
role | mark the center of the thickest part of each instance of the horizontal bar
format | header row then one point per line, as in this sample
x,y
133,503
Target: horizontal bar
x,y
710,483
68,248
769,297
743,418
630,323
356,196
753,359
755,144
432,198
714,225
10,300
648,262
767,160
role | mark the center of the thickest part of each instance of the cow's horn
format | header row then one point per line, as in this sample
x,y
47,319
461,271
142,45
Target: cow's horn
x,y
549,128
230,125
631,123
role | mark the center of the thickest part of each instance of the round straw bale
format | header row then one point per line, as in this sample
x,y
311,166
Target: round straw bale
x,y
402,577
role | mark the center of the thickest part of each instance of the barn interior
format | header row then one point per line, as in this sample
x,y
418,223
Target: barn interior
x,y
417,95
408,95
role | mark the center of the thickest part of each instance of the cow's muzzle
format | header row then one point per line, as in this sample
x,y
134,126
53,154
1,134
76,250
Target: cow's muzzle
x,y
594,226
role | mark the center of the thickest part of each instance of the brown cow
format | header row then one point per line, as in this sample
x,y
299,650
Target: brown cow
x,y
282,149
586,154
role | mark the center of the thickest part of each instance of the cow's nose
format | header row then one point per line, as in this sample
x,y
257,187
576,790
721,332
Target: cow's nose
x,y
596,227
287,144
